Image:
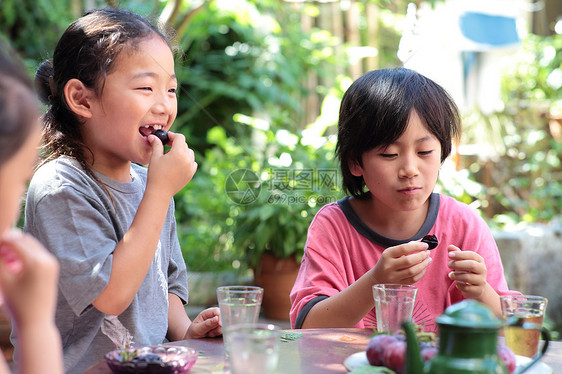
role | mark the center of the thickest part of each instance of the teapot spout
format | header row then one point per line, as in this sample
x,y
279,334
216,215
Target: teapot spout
x,y
414,362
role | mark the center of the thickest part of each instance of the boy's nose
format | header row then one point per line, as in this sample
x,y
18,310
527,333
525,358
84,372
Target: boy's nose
x,y
408,168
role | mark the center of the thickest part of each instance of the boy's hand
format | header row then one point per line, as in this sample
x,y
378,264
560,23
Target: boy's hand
x,y
403,264
469,270
170,172
206,324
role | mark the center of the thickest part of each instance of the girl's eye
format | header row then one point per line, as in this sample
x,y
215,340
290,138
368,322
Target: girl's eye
x,y
172,90
145,88
425,153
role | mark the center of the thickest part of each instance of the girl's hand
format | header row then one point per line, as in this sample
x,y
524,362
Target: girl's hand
x,y
28,278
403,264
206,324
168,173
469,270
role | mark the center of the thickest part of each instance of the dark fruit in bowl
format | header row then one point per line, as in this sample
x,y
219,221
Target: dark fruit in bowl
x,y
152,360
431,240
162,135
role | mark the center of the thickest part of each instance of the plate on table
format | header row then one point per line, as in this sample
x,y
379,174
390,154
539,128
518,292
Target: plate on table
x,y
360,359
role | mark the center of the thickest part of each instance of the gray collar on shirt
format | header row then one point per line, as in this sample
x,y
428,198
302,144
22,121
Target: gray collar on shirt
x,y
383,241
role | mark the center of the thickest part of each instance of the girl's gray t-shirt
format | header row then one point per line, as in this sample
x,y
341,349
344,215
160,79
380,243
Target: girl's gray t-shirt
x,y
76,219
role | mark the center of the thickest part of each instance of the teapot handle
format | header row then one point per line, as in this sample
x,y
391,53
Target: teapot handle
x,y
545,334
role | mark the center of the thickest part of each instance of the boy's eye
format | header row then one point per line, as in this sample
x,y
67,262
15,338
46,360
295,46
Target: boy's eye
x,y
172,90
145,88
425,153
388,155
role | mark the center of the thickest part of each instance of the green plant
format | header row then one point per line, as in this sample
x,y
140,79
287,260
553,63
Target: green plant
x,y
220,227
521,178
297,174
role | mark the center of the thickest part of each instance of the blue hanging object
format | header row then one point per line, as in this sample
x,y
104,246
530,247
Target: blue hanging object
x,y
489,30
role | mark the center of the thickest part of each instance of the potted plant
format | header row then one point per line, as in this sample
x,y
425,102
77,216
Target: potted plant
x,y
297,177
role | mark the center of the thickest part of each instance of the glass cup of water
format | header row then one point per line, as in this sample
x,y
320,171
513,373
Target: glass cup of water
x,y
254,348
394,304
238,305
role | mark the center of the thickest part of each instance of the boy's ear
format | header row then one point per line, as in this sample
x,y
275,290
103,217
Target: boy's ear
x,y
78,97
355,169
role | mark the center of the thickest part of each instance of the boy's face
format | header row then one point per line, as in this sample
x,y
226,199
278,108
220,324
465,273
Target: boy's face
x,y
403,175
140,91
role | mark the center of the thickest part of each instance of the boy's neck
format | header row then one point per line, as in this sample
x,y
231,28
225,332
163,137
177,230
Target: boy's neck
x,y
390,224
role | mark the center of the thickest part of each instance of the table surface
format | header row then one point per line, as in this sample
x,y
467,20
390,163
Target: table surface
x,y
316,351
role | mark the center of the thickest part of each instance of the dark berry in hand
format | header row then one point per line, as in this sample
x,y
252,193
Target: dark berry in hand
x,y
162,135
376,346
431,240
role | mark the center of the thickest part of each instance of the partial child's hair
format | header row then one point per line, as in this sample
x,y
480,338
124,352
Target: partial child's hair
x,y
19,110
87,51
375,111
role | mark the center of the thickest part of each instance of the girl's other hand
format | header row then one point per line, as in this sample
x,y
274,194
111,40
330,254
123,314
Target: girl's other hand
x,y
206,324
403,264
469,270
170,172
28,278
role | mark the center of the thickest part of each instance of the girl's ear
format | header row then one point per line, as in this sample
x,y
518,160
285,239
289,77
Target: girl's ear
x,y
78,97
354,168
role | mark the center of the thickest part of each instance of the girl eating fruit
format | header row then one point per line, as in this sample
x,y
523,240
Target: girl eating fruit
x,y
109,221
396,127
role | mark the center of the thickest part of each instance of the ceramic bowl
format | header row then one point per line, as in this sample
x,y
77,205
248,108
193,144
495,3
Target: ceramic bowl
x,y
157,359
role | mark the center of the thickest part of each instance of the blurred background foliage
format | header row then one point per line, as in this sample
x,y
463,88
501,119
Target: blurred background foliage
x,y
260,84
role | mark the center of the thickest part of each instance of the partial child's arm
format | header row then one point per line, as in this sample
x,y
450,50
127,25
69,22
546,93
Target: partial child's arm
x,y
469,270
167,174
28,279
404,264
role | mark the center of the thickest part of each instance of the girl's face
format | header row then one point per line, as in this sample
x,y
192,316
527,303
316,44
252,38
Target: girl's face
x,y
139,95
14,175
403,175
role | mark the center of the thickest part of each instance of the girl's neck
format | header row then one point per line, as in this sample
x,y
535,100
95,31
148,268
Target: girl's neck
x,y
121,173
391,224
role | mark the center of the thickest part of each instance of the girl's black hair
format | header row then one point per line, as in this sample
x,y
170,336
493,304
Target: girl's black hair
x,y
375,110
86,51
19,110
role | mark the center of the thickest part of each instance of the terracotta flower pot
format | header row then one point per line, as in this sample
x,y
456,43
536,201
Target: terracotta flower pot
x,y
276,276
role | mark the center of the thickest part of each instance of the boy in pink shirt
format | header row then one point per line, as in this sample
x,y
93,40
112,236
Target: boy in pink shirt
x,y
396,127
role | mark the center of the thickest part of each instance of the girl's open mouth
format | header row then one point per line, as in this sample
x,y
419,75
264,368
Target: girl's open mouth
x,y
148,129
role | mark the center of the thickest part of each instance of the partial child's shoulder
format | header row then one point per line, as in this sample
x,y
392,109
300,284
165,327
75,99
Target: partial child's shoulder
x,y
330,209
57,170
59,174
330,213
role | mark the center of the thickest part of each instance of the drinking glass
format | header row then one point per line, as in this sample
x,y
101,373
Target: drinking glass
x,y
529,308
238,305
254,348
394,304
